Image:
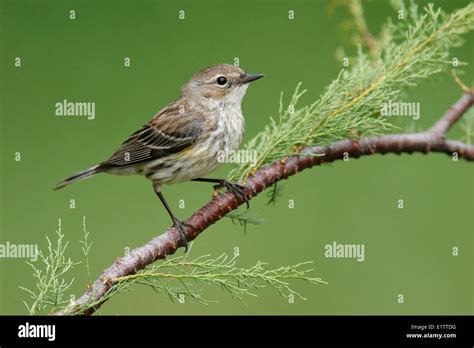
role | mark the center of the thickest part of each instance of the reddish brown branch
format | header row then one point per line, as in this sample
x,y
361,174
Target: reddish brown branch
x,y
159,247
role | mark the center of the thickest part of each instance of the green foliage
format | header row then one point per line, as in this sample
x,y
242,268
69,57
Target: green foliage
x,y
414,48
178,278
51,284
243,219
467,126
175,277
86,248
274,194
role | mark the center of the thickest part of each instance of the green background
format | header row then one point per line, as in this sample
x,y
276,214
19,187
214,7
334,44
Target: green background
x,y
408,251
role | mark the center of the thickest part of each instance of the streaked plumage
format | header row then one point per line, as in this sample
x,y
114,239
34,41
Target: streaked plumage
x,y
182,142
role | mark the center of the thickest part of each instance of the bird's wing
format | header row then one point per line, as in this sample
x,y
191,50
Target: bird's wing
x,y
172,130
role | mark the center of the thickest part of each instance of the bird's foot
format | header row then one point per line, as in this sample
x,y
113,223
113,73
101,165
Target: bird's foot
x,y
234,188
181,228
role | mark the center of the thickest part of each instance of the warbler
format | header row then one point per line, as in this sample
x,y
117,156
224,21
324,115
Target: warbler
x,y
182,142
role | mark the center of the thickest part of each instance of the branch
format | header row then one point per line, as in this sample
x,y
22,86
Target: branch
x,y
432,140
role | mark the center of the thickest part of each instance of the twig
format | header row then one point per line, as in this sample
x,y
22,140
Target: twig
x,y
357,12
432,140
460,84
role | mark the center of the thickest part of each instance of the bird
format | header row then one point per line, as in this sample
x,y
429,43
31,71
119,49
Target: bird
x,y
182,142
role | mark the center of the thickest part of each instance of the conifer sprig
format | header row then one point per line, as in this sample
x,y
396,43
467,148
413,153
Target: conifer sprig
x,y
414,48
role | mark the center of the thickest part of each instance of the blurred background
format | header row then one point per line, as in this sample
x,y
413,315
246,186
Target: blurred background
x,y
407,251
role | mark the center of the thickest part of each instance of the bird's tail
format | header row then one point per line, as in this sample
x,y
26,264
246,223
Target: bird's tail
x,y
83,174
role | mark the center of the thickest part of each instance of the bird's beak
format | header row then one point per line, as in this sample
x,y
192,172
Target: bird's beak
x,y
246,78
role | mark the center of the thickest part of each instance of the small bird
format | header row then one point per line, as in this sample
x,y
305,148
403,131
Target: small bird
x,y
182,142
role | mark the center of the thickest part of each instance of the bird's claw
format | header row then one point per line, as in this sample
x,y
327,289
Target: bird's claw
x,y
235,189
181,228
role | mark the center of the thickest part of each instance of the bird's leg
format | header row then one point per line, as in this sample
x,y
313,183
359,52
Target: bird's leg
x,y
231,187
178,225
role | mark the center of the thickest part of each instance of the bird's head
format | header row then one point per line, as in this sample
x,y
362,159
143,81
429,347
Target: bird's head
x,y
221,84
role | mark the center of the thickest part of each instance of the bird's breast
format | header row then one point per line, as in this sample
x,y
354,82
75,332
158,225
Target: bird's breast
x,y
228,129
223,134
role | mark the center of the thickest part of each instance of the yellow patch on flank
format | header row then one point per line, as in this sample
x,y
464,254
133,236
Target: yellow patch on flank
x,y
186,150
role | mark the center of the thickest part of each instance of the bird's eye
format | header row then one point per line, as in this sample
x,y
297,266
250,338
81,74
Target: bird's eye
x,y
221,80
